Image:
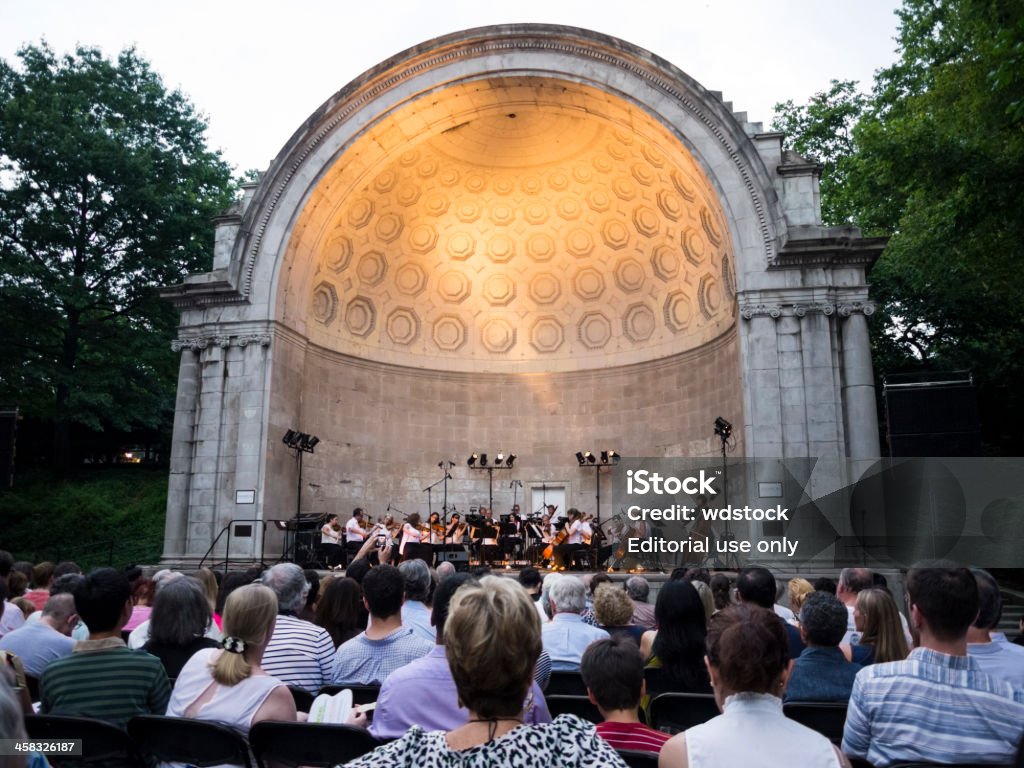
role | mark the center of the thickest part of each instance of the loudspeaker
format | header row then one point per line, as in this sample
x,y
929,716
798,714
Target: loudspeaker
x,y
457,557
933,418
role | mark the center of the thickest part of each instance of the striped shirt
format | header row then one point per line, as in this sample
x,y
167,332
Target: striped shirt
x,y
932,707
105,680
636,736
299,653
362,661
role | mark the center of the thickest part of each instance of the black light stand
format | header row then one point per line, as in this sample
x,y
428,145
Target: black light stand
x,y
724,431
479,461
301,443
588,460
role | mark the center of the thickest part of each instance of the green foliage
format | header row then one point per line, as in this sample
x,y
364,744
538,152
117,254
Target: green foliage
x,y
106,194
822,131
110,516
936,162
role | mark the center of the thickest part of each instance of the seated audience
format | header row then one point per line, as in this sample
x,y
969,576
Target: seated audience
x,y
181,614
822,672
529,578
81,684
492,640
340,610
721,590
211,587
228,685
12,728
638,589
706,598
592,582
797,591
677,647
12,617
748,659
936,706
879,631
308,611
37,643
851,582
999,659
142,603
613,672
614,611
415,613
423,692
42,575
565,637
299,652
386,645
756,585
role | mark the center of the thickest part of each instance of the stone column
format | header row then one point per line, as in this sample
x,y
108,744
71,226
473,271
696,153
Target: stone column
x,y
858,382
182,448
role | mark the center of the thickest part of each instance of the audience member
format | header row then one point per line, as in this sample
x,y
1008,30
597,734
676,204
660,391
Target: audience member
x,y
592,582
386,645
299,652
721,589
877,621
143,591
232,581
229,686
748,658
415,613
784,612
613,672
39,642
445,569
936,706
66,567
211,588
177,627
531,581
614,611
65,585
12,617
695,574
492,640
339,610
25,606
81,684
797,591
12,729
1000,659
822,672
755,584
565,637
706,598
677,647
851,582
139,636
18,580
423,692
42,575
638,589
308,610
824,584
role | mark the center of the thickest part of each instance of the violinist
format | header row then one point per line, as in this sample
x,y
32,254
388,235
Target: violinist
x,y
436,529
355,532
573,539
456,529
412,546
330,541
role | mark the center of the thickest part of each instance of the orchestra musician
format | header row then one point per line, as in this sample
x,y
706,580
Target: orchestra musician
x,y
436,529
355,533
330,542
488,547
513,542
456,530
573,539
413,534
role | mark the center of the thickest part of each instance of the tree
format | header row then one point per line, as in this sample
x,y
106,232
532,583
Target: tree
x,y
107,189
937,163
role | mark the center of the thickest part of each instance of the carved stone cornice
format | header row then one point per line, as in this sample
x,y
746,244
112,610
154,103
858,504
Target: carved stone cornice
x,y
801,309
867,308
199,343
824,247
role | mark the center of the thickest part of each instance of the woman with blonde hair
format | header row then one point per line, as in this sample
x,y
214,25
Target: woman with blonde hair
x,y
227,685
492,641
798,590
881,632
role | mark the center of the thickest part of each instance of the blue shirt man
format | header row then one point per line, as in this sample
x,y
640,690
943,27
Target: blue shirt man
x,y
567,636
821,671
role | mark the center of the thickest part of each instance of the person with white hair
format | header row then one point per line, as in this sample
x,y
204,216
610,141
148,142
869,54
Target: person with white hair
x,y
415,613
566,636
299,652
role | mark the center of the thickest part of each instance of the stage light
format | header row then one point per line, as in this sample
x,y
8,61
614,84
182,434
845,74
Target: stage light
x,y
604,457
590,457
723,428
510,460
483,459
289,438
580,458
499,459
471,461
309,443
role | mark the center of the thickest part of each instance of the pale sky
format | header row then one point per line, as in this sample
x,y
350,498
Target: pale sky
x,y
258,69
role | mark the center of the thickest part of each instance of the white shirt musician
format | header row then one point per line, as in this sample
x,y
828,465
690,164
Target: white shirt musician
x,y
575,532
489,523
354,530
436,529
331,531
411,533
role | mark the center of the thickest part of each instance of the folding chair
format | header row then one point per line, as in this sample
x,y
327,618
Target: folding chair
x,y
675,712
193,742
310,744
102,743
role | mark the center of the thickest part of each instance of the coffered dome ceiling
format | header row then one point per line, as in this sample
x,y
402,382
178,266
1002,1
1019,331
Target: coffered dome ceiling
x,y
543,227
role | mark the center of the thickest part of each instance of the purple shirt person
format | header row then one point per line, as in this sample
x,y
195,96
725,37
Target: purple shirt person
x,y
423,692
